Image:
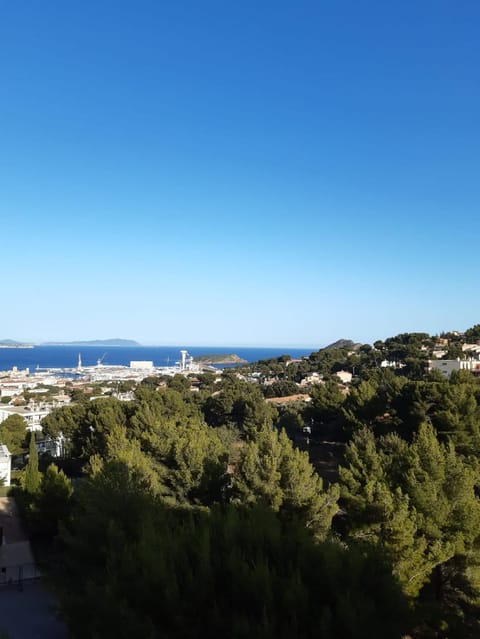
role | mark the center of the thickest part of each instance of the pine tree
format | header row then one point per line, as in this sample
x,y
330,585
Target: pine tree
x,y
272,472
379,514
442,490
53,501
32,476
417,501
144,569
12,434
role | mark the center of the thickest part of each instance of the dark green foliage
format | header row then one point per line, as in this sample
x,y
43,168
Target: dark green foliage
x,y
327,360
13,434
184,463
186,528
98,419
274,367
324,412
86,425
79,395
53,500
154,407
364,404
152,382
291,418
179,383
449,606
206,381
417,501
454,351
403,345
238,404
64,420
282,388
472,335
272,472
31,475
50,505
141,569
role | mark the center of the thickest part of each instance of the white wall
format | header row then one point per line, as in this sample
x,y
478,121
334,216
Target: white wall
x,y
5,464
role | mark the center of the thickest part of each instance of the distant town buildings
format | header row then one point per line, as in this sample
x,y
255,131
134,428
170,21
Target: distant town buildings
x,y
32,396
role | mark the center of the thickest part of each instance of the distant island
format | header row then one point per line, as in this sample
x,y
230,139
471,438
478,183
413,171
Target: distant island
x,y
96,342
219,359
11,343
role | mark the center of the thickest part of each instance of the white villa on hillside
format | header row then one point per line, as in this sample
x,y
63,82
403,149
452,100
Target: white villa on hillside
x,y
5,464
448,366
345,376
32,415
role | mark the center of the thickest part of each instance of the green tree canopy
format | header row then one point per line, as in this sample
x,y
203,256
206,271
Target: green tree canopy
x,y
52,503
416,500
238,404
31,477
13,434
473,334
272,472
143,569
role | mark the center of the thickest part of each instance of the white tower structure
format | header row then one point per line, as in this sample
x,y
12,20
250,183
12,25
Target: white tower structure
x,y
79,365
184,359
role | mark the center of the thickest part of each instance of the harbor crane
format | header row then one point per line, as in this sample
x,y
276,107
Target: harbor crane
x,y
100,359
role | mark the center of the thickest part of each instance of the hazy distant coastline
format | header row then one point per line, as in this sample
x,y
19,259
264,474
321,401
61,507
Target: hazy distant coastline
x,y
95,342
11,343
16,345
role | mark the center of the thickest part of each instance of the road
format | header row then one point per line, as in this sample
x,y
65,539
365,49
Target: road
x,y
30,613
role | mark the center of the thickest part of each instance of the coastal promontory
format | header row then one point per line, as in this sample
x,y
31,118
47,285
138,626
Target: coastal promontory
x,y
220,359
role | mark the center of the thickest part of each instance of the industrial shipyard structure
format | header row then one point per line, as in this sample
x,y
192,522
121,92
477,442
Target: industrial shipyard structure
x,y
136,371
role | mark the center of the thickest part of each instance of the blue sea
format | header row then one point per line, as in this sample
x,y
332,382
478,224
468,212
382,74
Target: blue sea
x,y
67,356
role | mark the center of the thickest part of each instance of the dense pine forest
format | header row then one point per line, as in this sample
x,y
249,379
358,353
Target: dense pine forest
x,y
273,500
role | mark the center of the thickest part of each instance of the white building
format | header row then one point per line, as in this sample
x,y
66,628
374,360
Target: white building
x,y
391,364
471,348
313,378
141,365
5,464
55,447
345,376
32,415
10,390
448,366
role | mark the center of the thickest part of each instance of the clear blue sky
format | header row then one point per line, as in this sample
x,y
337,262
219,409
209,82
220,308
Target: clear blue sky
x,y
239,173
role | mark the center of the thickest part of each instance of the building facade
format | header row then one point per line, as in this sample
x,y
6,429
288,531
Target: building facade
x,y
5,465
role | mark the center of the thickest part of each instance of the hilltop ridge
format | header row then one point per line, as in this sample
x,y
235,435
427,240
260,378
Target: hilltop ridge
x,y
343,343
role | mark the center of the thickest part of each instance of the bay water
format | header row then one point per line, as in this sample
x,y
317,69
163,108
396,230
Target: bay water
x,y
67,356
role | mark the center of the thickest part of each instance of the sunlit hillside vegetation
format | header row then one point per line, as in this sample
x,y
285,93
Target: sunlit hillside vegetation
x,y
201,508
